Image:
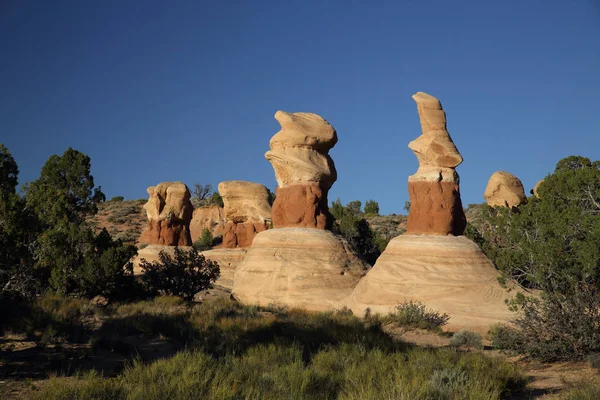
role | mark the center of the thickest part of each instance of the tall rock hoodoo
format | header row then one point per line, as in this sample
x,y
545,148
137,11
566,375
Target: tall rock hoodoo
x,y
299,263
303,169
247,212
169,211
432,263
435,206
504,190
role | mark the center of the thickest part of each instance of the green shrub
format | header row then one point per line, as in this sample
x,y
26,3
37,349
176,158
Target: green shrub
x,y
586,390
467,339
117,199
204,242
594,360
414,314
372,207
184,275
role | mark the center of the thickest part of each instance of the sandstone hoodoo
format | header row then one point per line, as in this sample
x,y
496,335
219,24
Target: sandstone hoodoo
x,y
535,189
504,190
303,169
432,263
299,263
435,205
247,212
169,212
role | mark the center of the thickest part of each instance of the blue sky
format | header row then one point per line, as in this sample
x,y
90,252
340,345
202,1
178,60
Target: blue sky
x,y
186,90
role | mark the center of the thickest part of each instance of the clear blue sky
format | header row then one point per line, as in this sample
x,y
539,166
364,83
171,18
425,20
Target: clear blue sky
x,y
186,90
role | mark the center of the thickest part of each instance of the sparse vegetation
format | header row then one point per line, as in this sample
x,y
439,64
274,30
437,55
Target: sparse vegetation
x,y
204,242
465,338
203,196
414,314
225,350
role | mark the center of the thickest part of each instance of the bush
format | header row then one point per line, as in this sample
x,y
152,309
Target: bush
x,y
372,207
414,314
204,242
466,339
117,199
594,360
551,244
183,275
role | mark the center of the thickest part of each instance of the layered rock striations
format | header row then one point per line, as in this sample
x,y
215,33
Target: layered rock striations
x,y
504,190
303,169
435,205
299,263
247,212
169,212
432,263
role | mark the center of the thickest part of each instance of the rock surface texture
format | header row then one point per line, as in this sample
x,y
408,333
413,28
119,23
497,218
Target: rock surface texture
x,y
247,212
303,169
435,205
169,212
211,218
449,274
297,267
505,190
534,191
432,263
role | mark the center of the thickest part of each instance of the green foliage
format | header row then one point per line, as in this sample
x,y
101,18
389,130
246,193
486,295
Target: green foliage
x,y
184,274
407,206
414,314
117,199
586,390
372,207
552,244
352,226
9,171
467,339
216,200
204,242
272,197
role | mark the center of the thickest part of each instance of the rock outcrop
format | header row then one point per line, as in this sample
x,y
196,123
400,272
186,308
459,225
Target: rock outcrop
x,y
435,205
247,212
211,218
534,191
299,263
432,263
297,267
447,273
303,169
505,190
169,212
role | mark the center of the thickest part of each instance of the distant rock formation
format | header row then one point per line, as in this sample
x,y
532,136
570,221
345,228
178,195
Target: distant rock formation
x,y
211,218
247,212
505,190
169,212
299,263
534,191
303,169
431,262
435,205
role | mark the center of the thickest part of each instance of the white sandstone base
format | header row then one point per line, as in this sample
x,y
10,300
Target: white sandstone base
x,y
449,274
297,267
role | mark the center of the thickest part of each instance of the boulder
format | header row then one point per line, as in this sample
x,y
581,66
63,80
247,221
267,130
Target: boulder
x,y
303,169
297,267
435,205
534,191
211,217
505,190
247,212
169,212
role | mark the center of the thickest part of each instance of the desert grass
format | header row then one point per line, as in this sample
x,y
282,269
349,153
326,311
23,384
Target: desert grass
x,y
230,351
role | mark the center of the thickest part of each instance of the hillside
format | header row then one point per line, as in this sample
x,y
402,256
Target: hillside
x,y
123,219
